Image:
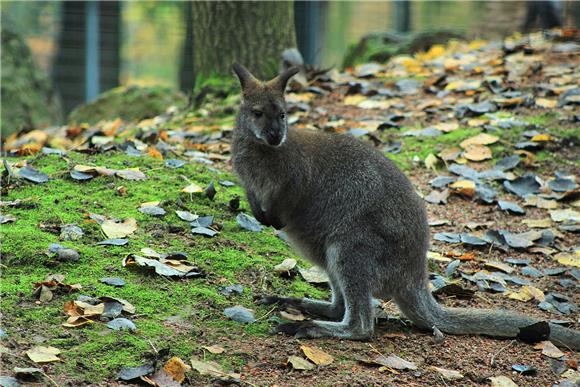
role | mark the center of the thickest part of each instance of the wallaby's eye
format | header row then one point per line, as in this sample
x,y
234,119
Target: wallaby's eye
x,y
257,113
282,115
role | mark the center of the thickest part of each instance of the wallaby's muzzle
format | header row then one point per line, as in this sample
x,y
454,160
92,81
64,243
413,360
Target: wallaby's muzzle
x,y
275,137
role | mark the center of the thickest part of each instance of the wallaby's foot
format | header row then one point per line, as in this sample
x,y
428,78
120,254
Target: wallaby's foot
x,y
330,310
317,329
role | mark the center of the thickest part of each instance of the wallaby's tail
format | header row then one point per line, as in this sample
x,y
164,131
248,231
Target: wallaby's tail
x,y
423,310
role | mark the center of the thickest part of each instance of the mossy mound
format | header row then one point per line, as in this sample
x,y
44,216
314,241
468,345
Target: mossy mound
x,y
28,97
132,103
380,47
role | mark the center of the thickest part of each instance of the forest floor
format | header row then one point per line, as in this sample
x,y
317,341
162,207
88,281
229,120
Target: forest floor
x,y
484,114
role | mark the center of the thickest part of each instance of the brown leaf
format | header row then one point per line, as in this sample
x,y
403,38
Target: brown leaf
x,y
550,350
317,356
480,139
463,187
448,374
176,368
477,153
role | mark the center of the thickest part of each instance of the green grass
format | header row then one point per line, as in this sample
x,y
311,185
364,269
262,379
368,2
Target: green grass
x,y
234,256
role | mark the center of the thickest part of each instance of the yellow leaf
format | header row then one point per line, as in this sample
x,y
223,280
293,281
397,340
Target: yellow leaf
x,y
546,103
463,187
480,139
542,138
215,349
192,188
354,99
569,259
43,354
431,161
176,368
114,229
316,355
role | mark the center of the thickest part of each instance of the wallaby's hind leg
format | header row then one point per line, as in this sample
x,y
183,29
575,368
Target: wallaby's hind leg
x,y
353,281
333,310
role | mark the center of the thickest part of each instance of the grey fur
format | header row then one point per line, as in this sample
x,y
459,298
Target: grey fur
x,y
348,209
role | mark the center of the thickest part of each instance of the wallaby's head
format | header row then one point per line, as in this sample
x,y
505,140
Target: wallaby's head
x,y
263,108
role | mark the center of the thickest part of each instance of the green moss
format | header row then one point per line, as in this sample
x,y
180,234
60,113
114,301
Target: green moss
x,y
131,103
234,256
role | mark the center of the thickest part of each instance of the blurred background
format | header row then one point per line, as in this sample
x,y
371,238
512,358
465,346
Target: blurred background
x,y
70,52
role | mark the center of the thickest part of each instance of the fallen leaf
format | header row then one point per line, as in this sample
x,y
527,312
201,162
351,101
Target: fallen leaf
x,y
395,362
121,323
431,161
192,188
546,103
317,356
249,223
240,314
286,266
314,275
480,139
477,153
537,223
213,369
550,350
499,266
42,354
130,373
215,349
568,259
502,381
176,369
299,363
463,187
114,230
448,374
567,215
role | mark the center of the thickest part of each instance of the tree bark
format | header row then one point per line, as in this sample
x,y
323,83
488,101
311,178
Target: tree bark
x,y
251,33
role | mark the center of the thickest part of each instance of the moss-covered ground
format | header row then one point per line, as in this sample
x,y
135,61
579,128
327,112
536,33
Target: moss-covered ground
x,y
171,314
175,316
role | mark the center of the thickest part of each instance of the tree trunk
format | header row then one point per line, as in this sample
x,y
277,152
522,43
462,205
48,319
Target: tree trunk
x,y
251,33
186,78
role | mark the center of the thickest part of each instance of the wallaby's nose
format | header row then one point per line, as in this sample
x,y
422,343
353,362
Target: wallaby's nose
x,y
274,137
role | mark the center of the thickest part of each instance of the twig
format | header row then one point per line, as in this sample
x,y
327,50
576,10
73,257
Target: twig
x,y
267,314
152,346
376,350
500,351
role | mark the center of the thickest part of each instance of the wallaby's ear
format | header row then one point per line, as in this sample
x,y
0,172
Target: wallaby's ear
x,y
247,80
281,80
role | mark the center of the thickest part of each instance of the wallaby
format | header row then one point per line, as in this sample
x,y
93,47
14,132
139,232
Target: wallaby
x,y
348,209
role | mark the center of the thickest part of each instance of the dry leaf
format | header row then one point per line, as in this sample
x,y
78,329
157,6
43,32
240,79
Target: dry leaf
x,y
542,138
299,363
546,103
176,368
317,356
115,230
192,188
42,354
477,153
463,187
569,259
537,223
215,349
550,350
480,139
502,381
448,374
431,161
